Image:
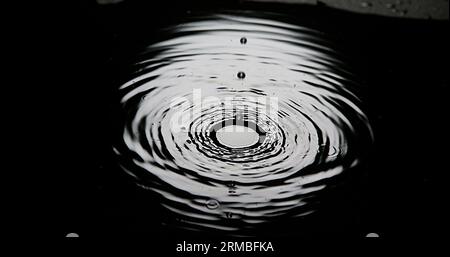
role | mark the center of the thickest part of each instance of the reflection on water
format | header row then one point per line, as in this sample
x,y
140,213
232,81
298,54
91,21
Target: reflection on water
x,y
237,121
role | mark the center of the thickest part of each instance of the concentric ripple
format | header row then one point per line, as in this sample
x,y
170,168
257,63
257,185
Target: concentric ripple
x,y
237,121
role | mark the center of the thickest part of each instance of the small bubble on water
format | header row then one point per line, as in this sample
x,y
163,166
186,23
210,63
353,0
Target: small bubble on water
x,y
243,40
212,204
241,75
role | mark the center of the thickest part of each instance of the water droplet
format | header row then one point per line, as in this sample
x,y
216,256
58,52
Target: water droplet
x,y
212,204
372,235
188,141
243,40
72,235
241,75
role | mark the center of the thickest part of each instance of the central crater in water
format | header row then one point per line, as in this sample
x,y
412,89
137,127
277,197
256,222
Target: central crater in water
x,y
237,121
237,136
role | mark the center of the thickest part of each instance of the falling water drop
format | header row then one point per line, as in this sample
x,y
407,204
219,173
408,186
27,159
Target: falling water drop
x,y
243,40
241,75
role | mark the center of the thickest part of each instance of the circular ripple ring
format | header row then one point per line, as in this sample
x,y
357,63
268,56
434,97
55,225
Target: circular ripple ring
x,y
283,85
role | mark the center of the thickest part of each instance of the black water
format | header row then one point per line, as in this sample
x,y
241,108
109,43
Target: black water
x,y
340,79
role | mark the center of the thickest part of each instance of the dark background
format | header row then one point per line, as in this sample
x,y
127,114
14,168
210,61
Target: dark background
x,y
404,63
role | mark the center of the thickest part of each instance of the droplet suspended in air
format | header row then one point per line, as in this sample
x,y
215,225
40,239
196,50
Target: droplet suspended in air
x,y
241,75
243,40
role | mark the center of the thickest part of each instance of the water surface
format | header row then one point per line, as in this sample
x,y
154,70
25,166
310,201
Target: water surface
x,y
236,122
